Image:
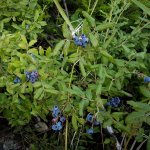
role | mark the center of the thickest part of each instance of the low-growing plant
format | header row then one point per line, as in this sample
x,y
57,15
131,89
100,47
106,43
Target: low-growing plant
x,y
97,75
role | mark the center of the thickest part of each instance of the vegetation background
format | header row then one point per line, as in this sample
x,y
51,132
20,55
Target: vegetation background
x,y
37,37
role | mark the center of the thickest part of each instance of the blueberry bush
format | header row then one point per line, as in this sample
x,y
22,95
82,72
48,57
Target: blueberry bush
x,y
82,67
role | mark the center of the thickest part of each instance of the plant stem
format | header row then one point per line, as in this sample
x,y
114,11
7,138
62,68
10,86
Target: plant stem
x,y
126,144
94,7
63,15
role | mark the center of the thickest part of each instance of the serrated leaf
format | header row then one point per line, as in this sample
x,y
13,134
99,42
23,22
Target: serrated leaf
x,y
89,18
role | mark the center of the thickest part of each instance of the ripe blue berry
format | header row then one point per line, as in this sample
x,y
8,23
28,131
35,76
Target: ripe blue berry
x,y
89,131
89,117
114,102
54,127
62,119
17,80
59,125
147,79
55,112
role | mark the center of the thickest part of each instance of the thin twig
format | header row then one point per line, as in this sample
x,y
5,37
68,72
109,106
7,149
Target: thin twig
x,y
139,147
133,145
66,9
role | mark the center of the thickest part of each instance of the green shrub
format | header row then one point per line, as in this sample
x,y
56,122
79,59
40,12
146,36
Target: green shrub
x,y
79,80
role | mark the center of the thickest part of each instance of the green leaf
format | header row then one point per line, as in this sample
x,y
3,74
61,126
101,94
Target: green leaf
x,y
93,40
73,57
89,18
135,117
52,91
36,15
23,45
107,55
74,122
38,93
32,42
58,47
66,47
66,31
82,105
48,51
99,88
104,26
145,91
86,28
37,84
139,106
142,6
82,69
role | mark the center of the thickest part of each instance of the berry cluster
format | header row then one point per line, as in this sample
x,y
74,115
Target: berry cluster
x,y
114,102
32,76
58,119
81,41
147,79
17,80
91,119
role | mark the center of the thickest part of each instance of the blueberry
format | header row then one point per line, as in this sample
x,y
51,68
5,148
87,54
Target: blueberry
x,y
17,80
89,117
32,79
54,127
89,131
55,112
62,119
114,102
76,39
59,125
147,79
